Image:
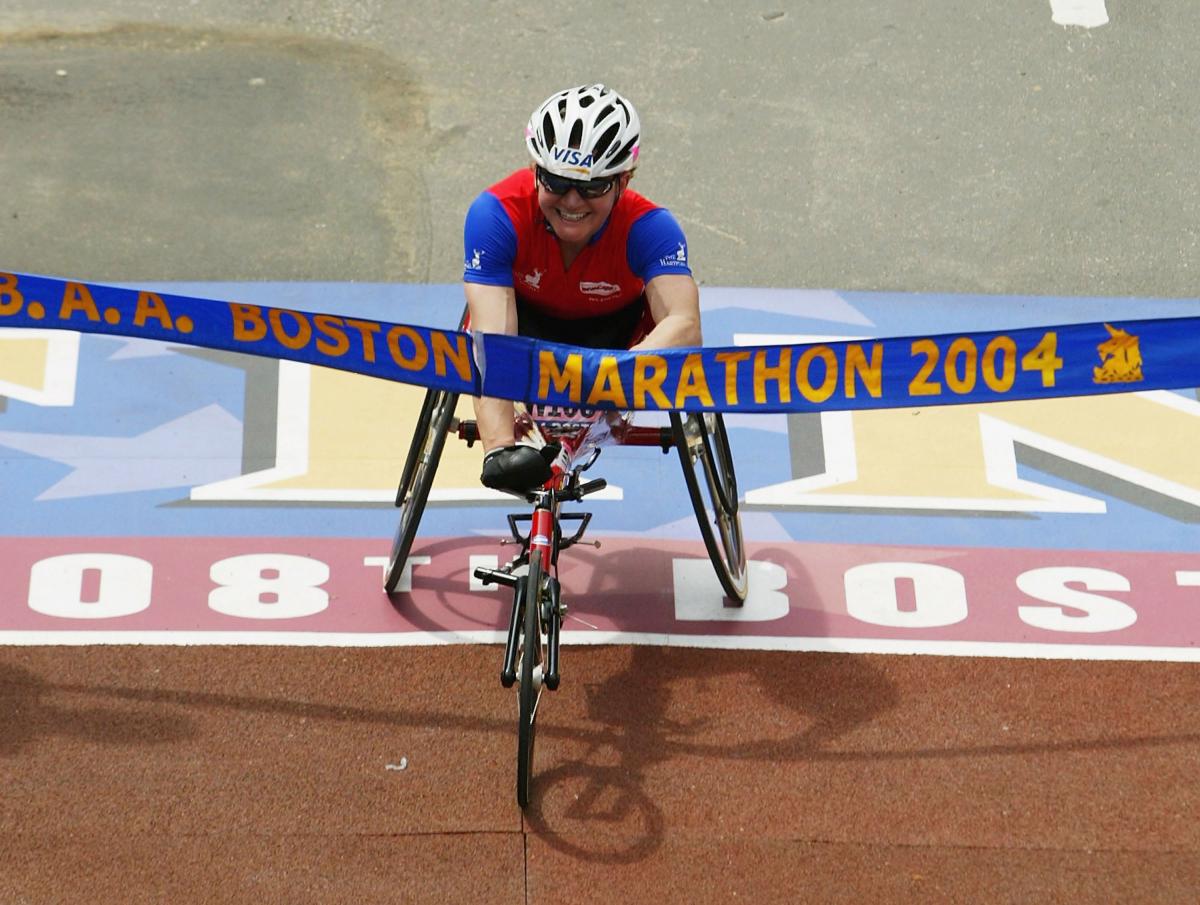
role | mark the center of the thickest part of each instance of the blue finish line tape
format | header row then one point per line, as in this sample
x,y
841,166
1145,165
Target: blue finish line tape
x,y
992,366
419,355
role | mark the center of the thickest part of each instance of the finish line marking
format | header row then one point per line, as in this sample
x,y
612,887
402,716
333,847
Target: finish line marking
x,y
590,638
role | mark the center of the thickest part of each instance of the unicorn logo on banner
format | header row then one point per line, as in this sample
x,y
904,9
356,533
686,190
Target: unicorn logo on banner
x,y
1120,358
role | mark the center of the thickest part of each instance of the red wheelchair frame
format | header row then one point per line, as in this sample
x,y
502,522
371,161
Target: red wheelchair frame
x,y
531,653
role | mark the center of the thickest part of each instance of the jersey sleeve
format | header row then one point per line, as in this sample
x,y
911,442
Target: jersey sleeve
x,y
657,245
489,243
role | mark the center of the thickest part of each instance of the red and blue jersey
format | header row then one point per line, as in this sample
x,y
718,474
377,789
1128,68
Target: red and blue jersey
x,y
507,242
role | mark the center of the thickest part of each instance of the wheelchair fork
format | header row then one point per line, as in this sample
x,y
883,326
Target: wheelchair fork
x,y
540,543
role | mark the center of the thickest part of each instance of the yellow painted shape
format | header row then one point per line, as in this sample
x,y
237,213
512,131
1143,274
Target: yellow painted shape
x,y
938,452
23,362
927,452
359,430
1130,429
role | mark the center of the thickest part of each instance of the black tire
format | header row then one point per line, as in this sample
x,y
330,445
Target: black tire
x,y
420,466
703,445
716,448
529,688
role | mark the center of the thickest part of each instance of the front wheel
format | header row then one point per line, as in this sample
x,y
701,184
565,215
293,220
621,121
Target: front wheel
x,y
529,689
703,447
420,466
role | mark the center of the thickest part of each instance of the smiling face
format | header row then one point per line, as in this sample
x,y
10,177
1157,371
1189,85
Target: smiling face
x,y
576,219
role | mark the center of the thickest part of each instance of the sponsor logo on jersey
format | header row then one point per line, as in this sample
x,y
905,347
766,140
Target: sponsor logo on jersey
x,y
534,279
679,259
474,262
599,288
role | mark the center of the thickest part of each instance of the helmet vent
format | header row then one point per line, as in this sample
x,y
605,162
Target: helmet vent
x,y
605,141
576,135
621,155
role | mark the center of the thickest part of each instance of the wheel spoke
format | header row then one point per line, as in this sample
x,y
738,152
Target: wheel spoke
x,y
713,496
420,468
529,688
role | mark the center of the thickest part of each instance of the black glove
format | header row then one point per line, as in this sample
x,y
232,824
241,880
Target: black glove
x,y
518,468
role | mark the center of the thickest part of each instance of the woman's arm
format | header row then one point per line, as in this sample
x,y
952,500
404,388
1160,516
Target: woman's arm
x,y
675,305
493,310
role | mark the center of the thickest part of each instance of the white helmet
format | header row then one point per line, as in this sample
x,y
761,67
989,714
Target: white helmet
x,y
587,132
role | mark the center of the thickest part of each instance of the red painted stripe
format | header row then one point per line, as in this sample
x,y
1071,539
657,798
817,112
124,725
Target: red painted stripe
x,y
624,587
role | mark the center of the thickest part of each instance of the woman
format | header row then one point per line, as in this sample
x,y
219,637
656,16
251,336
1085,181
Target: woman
x,y
564,251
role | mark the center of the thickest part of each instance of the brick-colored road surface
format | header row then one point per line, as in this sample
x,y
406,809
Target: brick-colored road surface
x,y
168,774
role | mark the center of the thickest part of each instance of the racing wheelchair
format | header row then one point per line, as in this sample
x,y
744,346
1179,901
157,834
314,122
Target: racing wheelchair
x,y
531,652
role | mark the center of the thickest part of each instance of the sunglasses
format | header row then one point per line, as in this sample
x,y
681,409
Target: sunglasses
x,y
587,188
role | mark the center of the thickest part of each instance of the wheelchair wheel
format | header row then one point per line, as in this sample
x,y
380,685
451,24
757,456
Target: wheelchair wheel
x,y
703,448
424,453
531,670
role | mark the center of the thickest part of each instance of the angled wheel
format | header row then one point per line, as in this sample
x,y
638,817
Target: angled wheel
x,y
529,689
420,466
703,448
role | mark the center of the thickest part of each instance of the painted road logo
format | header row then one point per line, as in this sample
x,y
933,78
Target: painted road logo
x,y
152,495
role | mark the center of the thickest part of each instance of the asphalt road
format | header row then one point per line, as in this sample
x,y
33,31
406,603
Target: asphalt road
x,y
889,145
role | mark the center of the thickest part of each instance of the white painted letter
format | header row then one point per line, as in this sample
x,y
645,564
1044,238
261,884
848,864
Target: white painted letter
x,y
244,582
1099,614
1187,579
404,585
699,597
487,561
940,595
56,586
